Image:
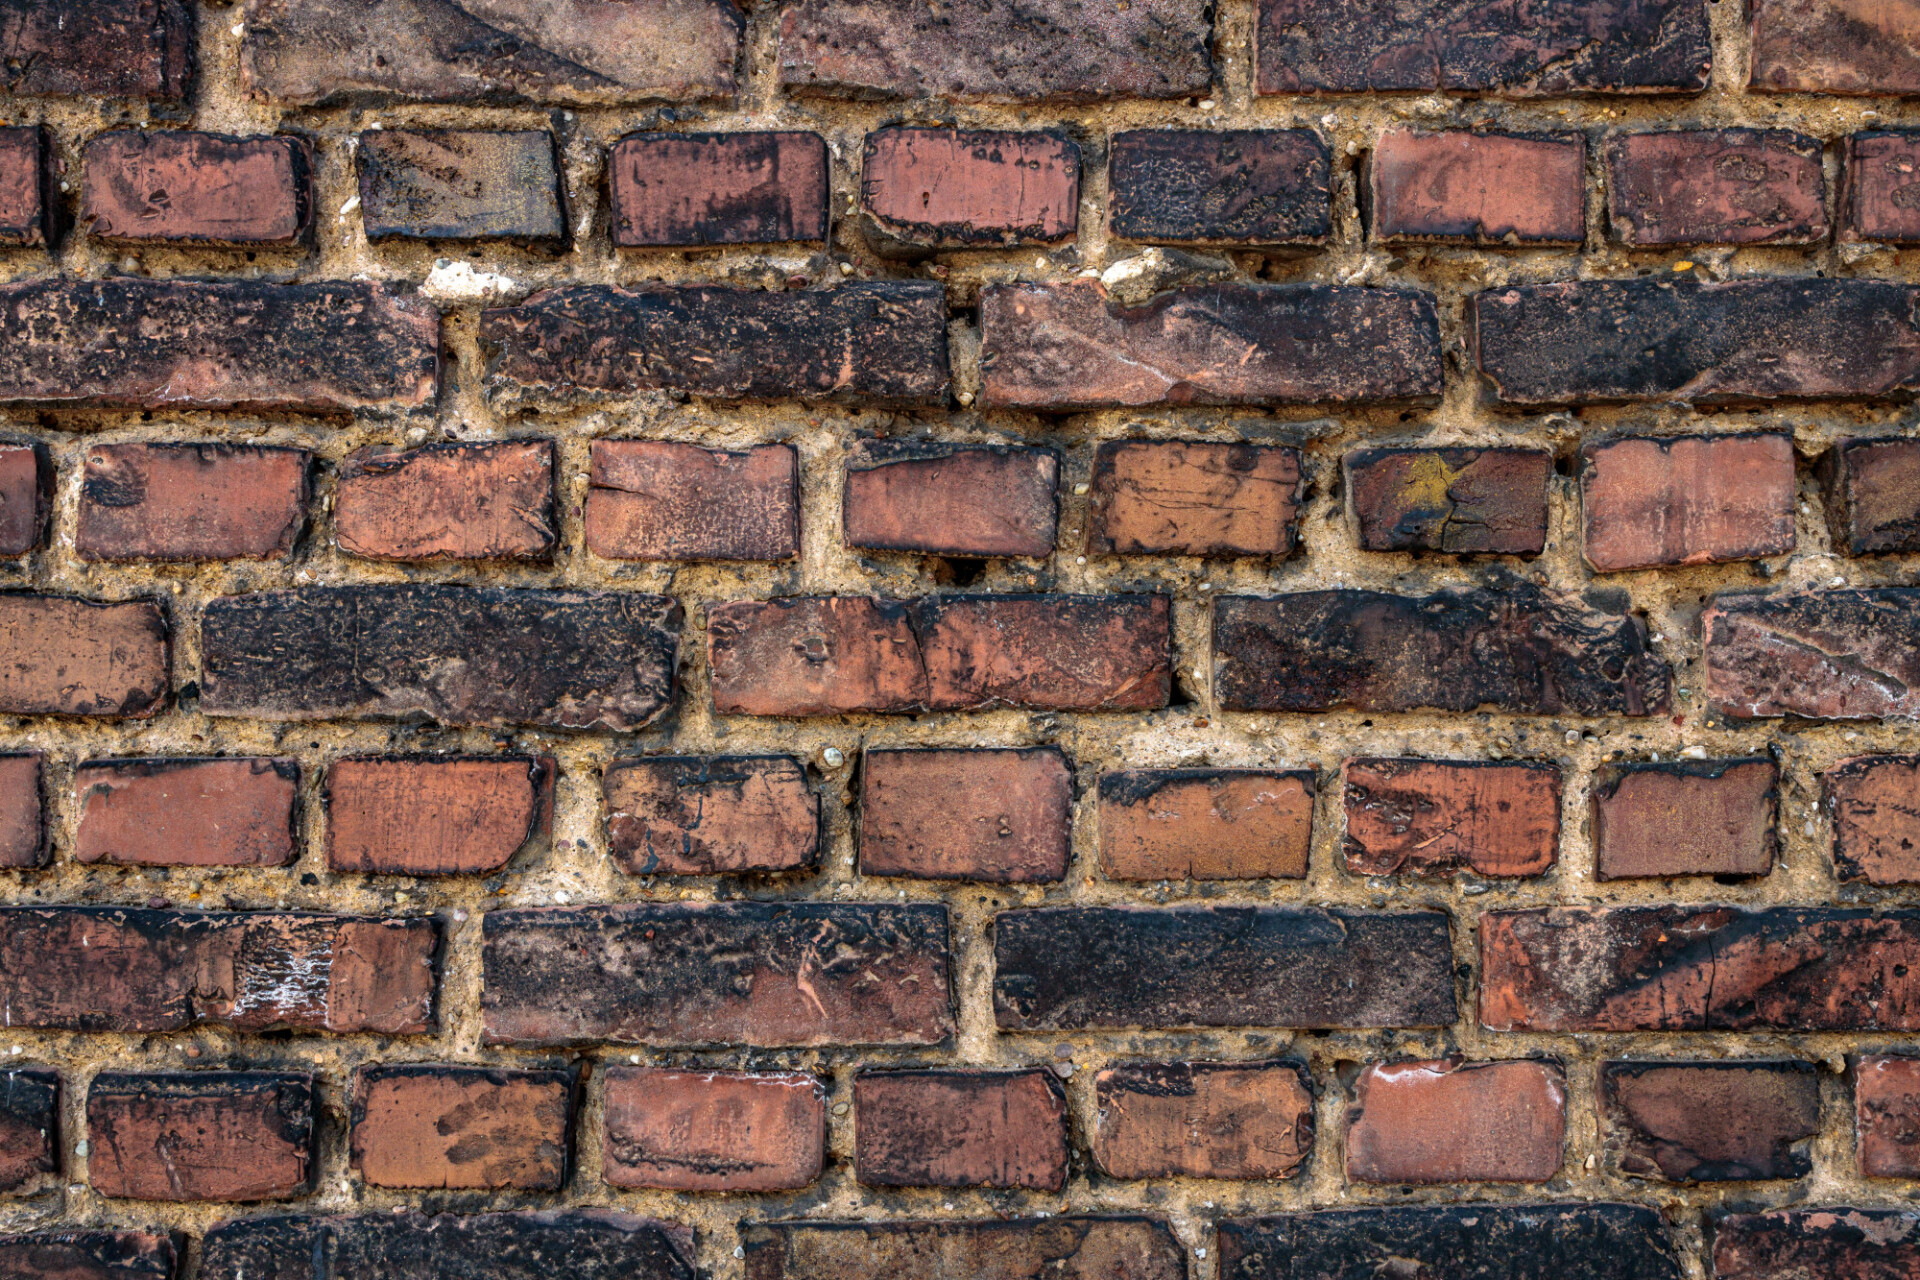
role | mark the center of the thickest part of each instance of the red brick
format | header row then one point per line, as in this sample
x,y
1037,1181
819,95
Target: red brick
x,y
198,188
436,815
1710,1121
1873,495
26,493
60,655
1684,500
1873,803
1825,46
448,502
1832,1244
200,1135
1824,655
455,1128
131,969
191,502
926,189
1886,1115
734,1131
694,815
984,502
1455,501
465,184
1880,188
1194,498
29,1129
1686,818
814,655
187,812
23,818
690,189
1133,1247
29,216
1477,188
1206,824
1203,1119
1455,1121
998,815
1067,346
92,1255
1438,817
1721,186
99,48
663,500
1220,186
960,1129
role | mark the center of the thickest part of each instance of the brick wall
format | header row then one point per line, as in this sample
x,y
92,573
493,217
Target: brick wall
x,y
864,640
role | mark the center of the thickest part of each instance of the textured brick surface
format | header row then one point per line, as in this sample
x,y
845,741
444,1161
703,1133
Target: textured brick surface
x,y
92,1255
188,812
1874,806
717,188
1873,495
448,502
924,189
202,188
435,815
680,815
1477,188
1835,655
1456,501
1454,1121
996,501
191,502
1220,186
445,184
681,1130
460,1127
200,1135
1203,1120
26,481
23,814
1880,187
28,214
1686,818
1205,824
104,48
1437,817
1710,1121
663,500
1820,46
1844,1243
1003,816
1886,1099
1193,498
70,657
1723,186
29,1129
1686,500
960,1129
1138,1248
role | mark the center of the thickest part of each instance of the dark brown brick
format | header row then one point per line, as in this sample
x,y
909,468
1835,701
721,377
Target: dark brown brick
x,y
63,656
702,816
1716,186
191,502
713,1130
1240,1120
436,815
1477,188
312,52
664,500
91,1255
1074,968
1873,495
105,48
1136,1248
1066,346
1880,188
467,184
1004,816
1437,817
1455,1121
1832,1244
1220,186
828,655
29,215
1886,1101
455,1127
182,811
1710,1121
996,51
691,189
1824,655
883,341
1519,649
1206,824
756,973
1699,968
927,189
168,344
1310,46
1195,498
127,969
999,500
1873,803
1455,501
960,1129
489,501
200,1135
1826,46
1686,818
1588,341
198,188
460,655
26,497
23,817
1679,500
29,1129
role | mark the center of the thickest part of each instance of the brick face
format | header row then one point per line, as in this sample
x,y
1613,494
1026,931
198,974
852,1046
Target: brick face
x,y
209,1135
444,184
1690,500
1477,188
29,217
448,502
461,1127
1711,1121
1002,816
1203,1120
960,1129
996,501
735,1131
663,500
1686,819
925,189
1453,1121
435,815
191,502
717,188
187,812
1193,498
1220,186
1725,186
200,188
1205,824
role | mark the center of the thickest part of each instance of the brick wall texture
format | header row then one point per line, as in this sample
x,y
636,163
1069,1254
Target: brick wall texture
x,y
864,640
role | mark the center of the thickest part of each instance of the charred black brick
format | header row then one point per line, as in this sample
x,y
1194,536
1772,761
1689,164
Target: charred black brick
x,y
92,1255
29,1128
1220,186
459,185
1123,1248
1832,1244
108,48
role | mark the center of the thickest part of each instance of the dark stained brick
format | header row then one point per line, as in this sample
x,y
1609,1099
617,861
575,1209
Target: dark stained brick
x,y
1435,817
1728,1121
1686,818
1476,188
1203,1119
198,188
1194,498
999,500
882,341
1206,824
1590,1241
960,1129
1455,501
315,52
436,815
23,817
1873,803
1351,46
1220,186
667,500
713,1130
1124,1248
1454,1121
460,655
1873,494
1067,346
185,811
104,48
1829,46
927,189
435,1126
1718,186
191,501
91,1255
997,51
200,1135
1831,1244
64,656
1072,968
709,815
26,496
1678,500
1886,1100
1699,968
1588,341
445,184
756,973
29,215
1880,188
167,344
491,501
1004,816
691,189
1519,649
1825,655
29,1129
